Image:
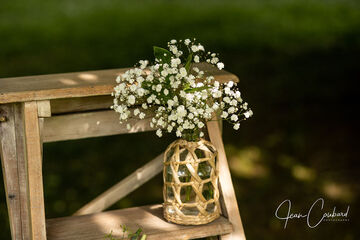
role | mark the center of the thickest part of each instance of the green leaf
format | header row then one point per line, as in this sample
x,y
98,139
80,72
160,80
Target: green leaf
x,y
198,89
135,235
188,62
163,55
186,86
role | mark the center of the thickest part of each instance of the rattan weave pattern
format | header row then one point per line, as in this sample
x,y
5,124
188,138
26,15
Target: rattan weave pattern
x,y
186,156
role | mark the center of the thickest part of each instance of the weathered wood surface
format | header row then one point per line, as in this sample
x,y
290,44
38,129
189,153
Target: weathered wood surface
x,y
52,86
66,85
44,108
41,129
81,104
34,167
10,169
149,218
22,170
124,187
91,124
13,156
228,198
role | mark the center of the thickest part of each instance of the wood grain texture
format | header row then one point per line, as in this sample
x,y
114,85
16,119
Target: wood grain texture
x,y
34,167
77,84
81,104
124,187
10,170
149,218
41,129
53,86
90,124
229,203
22,170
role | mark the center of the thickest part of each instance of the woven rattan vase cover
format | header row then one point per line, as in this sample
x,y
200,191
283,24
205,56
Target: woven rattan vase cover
x,y
191,183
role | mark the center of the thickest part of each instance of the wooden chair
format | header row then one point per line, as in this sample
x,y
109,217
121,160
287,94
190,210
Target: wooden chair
x,y
56,107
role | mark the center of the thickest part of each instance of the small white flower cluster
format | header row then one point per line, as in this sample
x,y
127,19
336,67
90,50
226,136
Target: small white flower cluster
x,y
182,96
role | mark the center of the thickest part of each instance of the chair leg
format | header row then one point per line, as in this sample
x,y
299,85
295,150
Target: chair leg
x,y
13,154
228,200
33,147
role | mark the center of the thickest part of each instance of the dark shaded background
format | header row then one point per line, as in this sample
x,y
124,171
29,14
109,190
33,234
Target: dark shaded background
x,y
298,62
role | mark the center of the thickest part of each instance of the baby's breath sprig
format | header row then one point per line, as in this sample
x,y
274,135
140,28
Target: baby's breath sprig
x,y
182,96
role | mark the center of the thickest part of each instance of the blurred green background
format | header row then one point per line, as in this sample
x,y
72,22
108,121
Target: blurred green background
x,y
298,62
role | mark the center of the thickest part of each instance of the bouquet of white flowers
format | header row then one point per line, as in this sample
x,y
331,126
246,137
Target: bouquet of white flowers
x,y
182,96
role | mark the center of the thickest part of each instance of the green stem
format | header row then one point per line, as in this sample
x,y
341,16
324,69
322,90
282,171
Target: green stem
x,y
192,135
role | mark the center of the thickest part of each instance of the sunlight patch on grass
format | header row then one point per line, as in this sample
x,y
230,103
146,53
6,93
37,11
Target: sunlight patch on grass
x,y
303,173
338,191
247,162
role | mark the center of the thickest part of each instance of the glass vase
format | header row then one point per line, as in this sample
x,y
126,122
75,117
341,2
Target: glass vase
x,y
191,183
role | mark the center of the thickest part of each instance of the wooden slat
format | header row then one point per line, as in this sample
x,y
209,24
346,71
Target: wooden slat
x,y
41,129
22,170
91,124
149,218
53,86
229,203
67,85
10,169
124,187
34,167
81,104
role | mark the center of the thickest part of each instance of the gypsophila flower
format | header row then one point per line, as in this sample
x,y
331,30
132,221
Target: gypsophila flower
x,y
142,115
196,59
224,114
183,72
131,100
159,132
136,112
220,65
234,117
181,94
143,63
248,114
158,87
194,48
169,128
